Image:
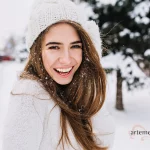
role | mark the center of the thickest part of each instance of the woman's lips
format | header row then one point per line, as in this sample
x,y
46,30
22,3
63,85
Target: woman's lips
x,y
64,74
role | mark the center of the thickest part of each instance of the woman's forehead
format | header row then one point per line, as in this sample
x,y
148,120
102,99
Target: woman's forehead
x,y
62,33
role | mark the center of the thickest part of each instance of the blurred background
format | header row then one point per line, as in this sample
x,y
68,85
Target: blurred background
x,y
125,30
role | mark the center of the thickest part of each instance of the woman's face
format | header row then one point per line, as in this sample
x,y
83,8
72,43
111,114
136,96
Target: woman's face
x,y
62,52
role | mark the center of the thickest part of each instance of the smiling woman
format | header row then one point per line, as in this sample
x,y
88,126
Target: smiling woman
x,y
62,52
58,102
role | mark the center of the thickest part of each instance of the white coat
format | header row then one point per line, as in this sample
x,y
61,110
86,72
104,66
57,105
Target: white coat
x,y
32,124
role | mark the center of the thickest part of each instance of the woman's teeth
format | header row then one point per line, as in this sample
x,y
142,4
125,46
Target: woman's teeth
x,y
64,70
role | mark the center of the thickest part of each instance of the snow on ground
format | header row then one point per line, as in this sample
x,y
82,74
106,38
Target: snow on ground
x,y
135,117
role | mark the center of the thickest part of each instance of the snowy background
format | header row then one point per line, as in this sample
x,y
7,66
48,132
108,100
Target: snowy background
x,y
136,116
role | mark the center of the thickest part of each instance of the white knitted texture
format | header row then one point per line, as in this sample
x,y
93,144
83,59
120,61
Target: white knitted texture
x,y
33,123
47,12
93,30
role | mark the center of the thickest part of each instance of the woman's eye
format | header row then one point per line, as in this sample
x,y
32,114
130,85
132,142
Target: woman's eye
x,y
76,46
53,47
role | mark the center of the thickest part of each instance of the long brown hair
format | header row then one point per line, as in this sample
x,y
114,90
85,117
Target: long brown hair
x,y
80,99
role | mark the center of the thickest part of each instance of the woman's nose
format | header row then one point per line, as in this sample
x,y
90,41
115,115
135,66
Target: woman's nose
x,y
65,57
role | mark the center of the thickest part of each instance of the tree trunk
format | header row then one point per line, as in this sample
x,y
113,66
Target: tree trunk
x,y
119,100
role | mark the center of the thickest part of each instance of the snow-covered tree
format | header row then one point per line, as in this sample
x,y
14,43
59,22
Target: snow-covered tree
x,y
125,27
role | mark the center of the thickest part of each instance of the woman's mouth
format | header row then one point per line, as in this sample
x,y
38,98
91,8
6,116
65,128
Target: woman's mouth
x,y
65,72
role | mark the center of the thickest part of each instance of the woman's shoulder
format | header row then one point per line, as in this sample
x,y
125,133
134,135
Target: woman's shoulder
x,y
104,126
26,116
30,87
103,120
30,95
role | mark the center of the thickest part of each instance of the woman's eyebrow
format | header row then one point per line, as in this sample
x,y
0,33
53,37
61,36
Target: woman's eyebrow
x,y
58,43
53,43
76,42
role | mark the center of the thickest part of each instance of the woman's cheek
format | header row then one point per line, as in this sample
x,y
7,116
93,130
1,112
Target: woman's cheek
x,y
79,57
50,57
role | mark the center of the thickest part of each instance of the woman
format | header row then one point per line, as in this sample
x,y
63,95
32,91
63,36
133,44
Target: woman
x,y
58,102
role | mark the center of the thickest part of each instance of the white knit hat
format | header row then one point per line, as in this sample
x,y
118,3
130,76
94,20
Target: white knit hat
x,y
47,12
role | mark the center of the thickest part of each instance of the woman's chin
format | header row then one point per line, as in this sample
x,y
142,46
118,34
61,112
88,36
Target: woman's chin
x,y
63,81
